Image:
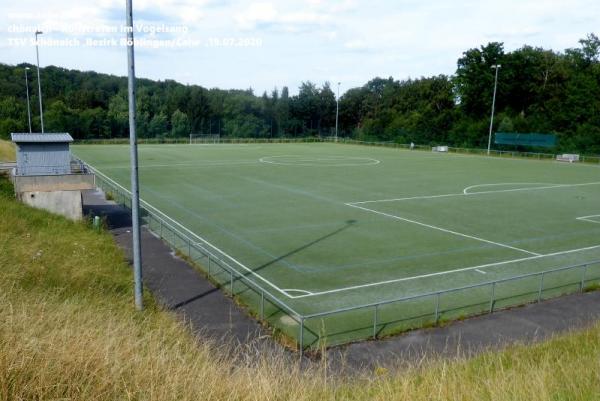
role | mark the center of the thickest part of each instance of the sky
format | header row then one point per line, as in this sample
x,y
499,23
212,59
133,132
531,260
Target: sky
x,y
265,45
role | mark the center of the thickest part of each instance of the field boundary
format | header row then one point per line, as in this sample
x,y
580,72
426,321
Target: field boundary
x,y
306,329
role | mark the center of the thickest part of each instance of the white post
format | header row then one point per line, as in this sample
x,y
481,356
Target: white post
x,y
497,67
28,103
337,111
37,54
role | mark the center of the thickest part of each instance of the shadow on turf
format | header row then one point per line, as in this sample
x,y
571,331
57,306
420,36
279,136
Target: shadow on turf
x,y
346,225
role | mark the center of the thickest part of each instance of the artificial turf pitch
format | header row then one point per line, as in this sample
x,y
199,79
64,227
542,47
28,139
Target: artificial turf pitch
x,y
324,226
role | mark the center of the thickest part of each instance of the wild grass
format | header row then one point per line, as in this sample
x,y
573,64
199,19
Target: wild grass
x,y
7,151
68,331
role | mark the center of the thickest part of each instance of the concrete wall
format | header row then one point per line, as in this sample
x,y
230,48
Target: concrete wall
x,y
66,203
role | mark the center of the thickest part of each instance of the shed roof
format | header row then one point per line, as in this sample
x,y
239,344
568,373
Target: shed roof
x,y
40,138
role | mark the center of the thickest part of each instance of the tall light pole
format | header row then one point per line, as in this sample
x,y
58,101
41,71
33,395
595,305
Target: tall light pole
x,y
28,105
337,111
37,54
496,67
135,192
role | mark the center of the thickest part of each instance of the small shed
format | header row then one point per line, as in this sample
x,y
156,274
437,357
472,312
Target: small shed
x,y
42,154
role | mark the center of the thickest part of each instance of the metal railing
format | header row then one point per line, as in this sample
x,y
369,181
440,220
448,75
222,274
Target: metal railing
x,y
218,266
521,289
471,151
74,167
357,322
345,140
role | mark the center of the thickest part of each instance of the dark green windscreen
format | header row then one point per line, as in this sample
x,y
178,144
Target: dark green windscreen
x,y
513,138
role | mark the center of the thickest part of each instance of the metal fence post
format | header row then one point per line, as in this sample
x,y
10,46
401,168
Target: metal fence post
x,y
375,321
437,308
231,281
189,248
493,297
583,278
541,288
262,305
209,266
160,234
301,339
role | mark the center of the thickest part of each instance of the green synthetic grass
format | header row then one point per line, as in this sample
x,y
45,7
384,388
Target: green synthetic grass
x,y
291,214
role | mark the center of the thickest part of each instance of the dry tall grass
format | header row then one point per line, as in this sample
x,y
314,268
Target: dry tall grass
x,y
68,331
7,151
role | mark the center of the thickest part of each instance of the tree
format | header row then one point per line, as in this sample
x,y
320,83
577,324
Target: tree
x,y
475,78
158,126
180,124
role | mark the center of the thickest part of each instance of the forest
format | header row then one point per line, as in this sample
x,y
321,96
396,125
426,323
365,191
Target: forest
x,y
539,91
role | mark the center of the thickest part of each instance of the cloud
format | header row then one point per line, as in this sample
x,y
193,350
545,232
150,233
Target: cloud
x,y
266,16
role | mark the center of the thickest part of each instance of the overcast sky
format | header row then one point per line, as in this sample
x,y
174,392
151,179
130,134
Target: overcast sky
x,y
242,44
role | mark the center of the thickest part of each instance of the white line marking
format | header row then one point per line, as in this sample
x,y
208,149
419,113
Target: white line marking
x,y
480,271
193,165
443,229
288,290
588,218
355,287
476,193
202,240
466,190
344,161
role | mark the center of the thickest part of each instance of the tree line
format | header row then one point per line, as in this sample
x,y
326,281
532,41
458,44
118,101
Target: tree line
x,y
539,90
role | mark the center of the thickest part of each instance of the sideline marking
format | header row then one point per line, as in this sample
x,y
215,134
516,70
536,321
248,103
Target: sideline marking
x,y
587,218
202,240
476,193
443,229
480,271
355,287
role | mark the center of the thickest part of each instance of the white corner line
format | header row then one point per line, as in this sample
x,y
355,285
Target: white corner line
x,y
444,230
289,290
480,271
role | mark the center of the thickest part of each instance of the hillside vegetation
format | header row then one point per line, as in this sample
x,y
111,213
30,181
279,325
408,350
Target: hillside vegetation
x,y
69,331
539,90
7,151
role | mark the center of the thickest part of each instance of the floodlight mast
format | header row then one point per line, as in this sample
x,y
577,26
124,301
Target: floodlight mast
x,y
337,111
37,54
28,105
135,193
496,67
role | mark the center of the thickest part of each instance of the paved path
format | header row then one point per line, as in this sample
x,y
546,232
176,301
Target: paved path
x,y
527,324
183,289
175,284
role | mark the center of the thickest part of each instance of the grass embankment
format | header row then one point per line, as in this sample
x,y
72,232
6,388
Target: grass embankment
x,y
7,151
68,331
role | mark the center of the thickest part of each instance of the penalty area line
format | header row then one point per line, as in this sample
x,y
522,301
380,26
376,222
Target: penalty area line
x,y
467,193
393,216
